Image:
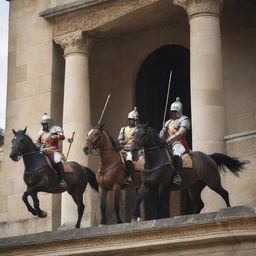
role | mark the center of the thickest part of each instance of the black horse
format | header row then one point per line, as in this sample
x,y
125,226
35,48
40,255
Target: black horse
x,y
40,177
158,171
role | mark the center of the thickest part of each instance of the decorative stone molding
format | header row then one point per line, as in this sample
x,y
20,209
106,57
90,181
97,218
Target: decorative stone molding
x,y
179,235
76,42
200,7
90,17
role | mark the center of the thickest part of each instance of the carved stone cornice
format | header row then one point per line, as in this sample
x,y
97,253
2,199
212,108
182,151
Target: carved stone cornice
x,y
75,42
91,17
200,7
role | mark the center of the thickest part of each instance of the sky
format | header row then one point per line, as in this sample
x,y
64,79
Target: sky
x,y
4,19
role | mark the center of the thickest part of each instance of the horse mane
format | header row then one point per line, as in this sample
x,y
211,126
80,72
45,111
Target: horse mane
x,y
21,132
150,130
98,126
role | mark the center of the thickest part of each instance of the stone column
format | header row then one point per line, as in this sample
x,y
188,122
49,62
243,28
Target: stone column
x,y
207,94
76,110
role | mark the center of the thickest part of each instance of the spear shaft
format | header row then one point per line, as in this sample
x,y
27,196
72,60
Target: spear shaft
x,y
167,97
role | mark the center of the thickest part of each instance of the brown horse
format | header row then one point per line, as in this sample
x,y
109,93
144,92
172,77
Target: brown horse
x,y
39,177
158,171
112,172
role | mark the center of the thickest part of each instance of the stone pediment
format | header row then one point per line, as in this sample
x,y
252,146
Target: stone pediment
x,y
86,15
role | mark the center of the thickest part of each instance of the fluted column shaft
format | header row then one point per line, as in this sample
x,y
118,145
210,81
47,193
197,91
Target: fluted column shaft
x,y
76,109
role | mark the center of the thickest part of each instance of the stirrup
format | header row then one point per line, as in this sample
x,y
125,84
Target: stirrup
x,y
128,180
63,183
177,180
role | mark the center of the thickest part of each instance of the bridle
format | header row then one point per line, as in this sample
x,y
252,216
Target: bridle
x,y
94,146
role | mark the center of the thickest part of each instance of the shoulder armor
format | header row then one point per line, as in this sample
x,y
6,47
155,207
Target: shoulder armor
x,y
56,129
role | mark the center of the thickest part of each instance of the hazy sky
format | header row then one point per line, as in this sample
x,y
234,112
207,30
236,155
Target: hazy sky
x,y
4,18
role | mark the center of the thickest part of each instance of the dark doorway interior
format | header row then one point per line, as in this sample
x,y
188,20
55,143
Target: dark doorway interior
x,y
151,90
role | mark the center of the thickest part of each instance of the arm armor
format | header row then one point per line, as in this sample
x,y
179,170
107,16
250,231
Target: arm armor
x,y
121,135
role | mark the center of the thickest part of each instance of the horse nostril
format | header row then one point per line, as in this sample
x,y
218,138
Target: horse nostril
x,y
86,150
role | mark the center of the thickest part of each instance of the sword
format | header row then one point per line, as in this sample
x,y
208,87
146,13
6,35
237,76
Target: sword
x,y
106,103
167,96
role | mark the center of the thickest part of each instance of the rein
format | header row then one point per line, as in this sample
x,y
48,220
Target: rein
x,y
109,168
148,171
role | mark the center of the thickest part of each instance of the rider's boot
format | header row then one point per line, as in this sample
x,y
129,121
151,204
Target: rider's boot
x,y
130,169
178,164
60,169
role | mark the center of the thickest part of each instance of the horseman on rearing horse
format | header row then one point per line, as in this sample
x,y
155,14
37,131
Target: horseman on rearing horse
x,y
48,142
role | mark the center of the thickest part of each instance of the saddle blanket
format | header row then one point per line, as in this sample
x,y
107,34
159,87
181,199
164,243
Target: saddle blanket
x,y
186,161
138,164
66,165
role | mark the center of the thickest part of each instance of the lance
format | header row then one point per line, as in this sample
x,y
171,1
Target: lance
x,y
167,96
70,143
106,103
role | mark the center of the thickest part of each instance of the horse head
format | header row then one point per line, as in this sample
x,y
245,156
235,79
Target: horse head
x,y
19,143
94,140
140,139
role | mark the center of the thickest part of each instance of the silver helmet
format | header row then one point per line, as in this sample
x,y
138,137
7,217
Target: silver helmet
x,y
133,114
177,106
46,120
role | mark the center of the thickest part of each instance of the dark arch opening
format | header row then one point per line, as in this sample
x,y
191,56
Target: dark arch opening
x,y
150,98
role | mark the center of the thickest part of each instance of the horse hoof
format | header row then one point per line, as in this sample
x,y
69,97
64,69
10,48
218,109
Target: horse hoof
x,y
42,214
34,212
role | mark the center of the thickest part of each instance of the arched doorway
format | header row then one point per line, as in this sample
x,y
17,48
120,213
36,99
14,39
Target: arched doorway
x,y
150,97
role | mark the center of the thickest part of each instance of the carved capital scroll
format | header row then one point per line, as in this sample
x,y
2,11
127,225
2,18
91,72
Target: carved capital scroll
x,y
75,42
201,7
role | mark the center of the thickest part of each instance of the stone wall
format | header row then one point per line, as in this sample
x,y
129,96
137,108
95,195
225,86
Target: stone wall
x,y
229,232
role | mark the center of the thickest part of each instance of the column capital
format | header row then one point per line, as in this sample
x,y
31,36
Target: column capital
x,y
75,42
200,7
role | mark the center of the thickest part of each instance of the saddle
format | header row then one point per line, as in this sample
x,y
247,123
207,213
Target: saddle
x,y
186,159
138,163
51,164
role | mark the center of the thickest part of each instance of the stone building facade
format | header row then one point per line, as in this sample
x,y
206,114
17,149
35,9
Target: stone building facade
x,y
66,56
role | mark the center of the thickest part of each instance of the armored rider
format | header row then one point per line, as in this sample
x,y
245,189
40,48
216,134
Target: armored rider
x,y
174,135
125,138
48,141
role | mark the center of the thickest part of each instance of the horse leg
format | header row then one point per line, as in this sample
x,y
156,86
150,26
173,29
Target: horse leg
x,y
40,213
221,191
139,198
30,191
162,196
195,195
77,196
29,207
103,205
116,193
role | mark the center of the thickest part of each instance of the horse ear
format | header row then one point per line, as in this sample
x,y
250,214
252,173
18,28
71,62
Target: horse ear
x,y
24,131
146,124
14,132
102,125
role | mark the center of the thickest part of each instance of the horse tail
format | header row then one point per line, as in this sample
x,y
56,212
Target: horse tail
x,y
92,179
232,163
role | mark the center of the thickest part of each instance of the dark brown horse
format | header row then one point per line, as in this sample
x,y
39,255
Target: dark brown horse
x,y
39,177
112,172
158,171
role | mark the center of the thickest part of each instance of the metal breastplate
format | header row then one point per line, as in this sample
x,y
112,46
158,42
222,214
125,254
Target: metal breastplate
x,y
128,135
172,127
46,139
